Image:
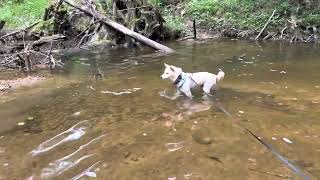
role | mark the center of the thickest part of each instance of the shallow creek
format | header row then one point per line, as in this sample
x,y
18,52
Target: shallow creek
x,y
123,126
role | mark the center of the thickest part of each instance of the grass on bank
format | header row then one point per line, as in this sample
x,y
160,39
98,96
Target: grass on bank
x,y
21,13
242,14
252,14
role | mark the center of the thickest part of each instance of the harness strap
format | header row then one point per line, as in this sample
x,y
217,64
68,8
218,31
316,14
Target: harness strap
x,y
177,80
181,79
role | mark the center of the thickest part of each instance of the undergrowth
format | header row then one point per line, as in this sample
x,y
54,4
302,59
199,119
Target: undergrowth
x,y
174,23
21,13
242,14
251,14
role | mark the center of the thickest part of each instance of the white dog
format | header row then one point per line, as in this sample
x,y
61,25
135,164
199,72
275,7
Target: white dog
x,y
186,81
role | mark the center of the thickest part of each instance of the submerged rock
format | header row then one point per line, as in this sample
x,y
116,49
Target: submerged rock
x,y
21,124
33,129
213,156
32,126
126,154
202,136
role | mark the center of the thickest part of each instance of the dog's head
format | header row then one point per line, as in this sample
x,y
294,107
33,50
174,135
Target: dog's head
x,y
171,72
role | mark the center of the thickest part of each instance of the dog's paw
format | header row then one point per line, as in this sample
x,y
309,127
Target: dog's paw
x,y
206,97
207,94
174,97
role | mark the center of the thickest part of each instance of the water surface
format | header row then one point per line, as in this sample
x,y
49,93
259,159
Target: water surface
x,y
123,127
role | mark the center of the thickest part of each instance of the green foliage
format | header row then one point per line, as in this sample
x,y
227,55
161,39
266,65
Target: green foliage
x,y
44,25
310,18
157,3
22,13
251,14
199,7
174,23
234,12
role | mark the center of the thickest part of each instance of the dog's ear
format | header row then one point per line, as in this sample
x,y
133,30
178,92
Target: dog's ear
x,y
172,68
166,65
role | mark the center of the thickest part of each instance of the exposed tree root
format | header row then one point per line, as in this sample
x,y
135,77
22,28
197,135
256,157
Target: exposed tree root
x,y
60,23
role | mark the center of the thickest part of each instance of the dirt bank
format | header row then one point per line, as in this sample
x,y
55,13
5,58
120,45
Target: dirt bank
x,y
6,85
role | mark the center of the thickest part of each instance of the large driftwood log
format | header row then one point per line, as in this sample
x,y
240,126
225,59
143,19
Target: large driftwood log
x,y
93,13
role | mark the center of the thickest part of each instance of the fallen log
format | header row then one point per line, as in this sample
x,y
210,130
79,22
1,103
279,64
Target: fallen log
x,y
49,39
22,54
93,13
21,45
18,31
269,36
11,49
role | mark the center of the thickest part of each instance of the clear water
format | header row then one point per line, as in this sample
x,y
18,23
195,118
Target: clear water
x,y
122,126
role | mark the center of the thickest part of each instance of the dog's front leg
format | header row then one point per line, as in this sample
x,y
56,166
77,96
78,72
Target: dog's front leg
x,y
178,93
188,93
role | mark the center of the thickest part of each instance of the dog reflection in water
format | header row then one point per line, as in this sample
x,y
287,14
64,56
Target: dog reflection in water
x,y
185,107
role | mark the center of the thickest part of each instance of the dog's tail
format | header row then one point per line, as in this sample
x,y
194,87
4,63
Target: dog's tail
x,y
220,75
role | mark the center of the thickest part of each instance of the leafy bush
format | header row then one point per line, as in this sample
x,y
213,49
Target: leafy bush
x,y
311,18
157,3
174,23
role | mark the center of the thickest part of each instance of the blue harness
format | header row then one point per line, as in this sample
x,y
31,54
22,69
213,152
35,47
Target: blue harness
x,y
181,79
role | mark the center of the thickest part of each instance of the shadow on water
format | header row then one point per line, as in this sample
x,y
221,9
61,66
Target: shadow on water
x,y
123,124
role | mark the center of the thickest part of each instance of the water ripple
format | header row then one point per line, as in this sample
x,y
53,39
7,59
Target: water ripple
x,y
86,172
72,134
127,91
61,165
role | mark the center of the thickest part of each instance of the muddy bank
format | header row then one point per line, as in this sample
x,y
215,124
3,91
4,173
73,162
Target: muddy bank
x,y
204,32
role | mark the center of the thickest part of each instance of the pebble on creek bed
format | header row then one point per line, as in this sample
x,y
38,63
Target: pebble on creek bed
x,y
202,136
21,124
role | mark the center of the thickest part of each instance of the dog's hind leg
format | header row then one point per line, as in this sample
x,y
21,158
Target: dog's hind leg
x,y
207,88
